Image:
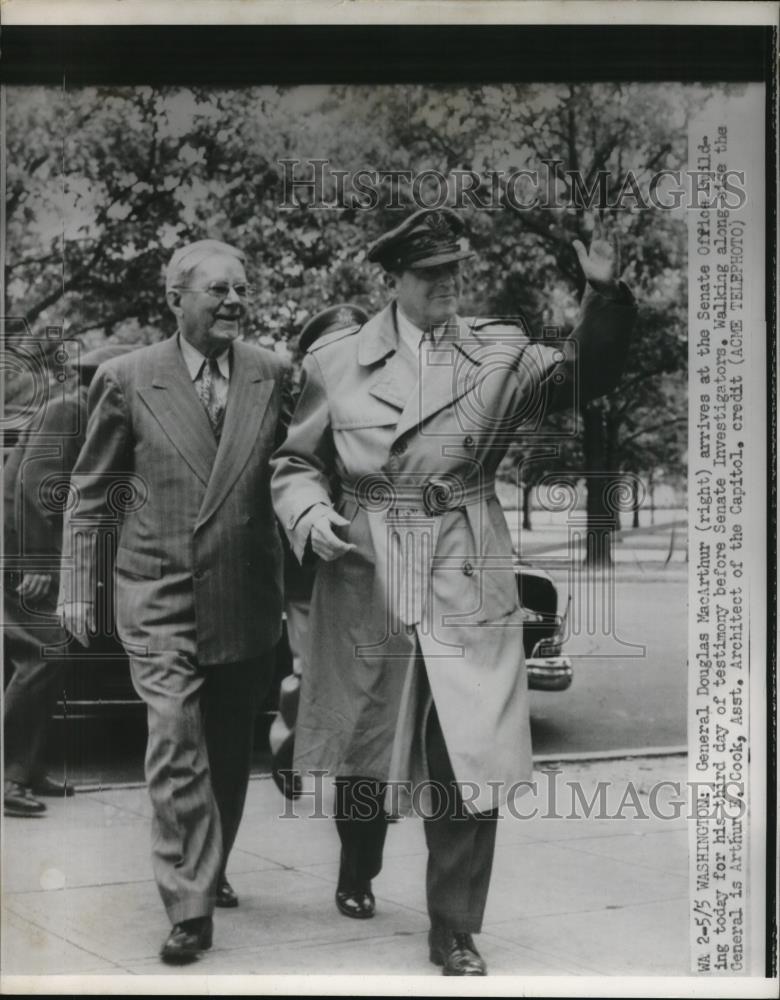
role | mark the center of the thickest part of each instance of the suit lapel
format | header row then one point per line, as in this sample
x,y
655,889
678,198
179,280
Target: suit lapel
x,y
174,403
448,370
249,394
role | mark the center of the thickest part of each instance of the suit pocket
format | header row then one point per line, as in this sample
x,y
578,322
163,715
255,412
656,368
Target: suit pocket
x,y
138,563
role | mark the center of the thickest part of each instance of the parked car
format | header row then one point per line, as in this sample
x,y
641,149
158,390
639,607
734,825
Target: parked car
x,y
544,629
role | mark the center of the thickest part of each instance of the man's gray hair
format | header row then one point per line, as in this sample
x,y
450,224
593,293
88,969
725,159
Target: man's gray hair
x,y
185,259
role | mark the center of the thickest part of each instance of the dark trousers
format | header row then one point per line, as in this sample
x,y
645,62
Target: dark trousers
x,y
460,845
31,694
199,751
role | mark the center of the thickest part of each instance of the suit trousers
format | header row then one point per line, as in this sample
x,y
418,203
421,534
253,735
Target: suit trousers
x,y
460,844
201,728
31,693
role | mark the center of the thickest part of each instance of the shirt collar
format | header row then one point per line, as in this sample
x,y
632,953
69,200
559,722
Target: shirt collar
x,y
193,359
408,331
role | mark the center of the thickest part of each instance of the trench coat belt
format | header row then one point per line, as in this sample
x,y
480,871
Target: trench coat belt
x,y
404,521
435,496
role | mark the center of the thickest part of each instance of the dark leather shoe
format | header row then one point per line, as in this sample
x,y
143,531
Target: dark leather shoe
x,y
456,952
358,904
226,894
18,801
54,789
186,940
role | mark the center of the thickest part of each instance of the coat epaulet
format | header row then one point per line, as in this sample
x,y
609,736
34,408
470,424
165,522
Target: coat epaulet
x,y
333,336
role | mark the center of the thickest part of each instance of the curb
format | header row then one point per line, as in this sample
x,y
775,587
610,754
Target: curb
x,y
584,756
577,757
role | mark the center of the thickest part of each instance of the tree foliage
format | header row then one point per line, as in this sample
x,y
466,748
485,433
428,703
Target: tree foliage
x,y
104,182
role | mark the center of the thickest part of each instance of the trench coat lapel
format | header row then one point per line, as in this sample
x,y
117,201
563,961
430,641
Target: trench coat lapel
x,y
249,394
448,370
379,343
174,403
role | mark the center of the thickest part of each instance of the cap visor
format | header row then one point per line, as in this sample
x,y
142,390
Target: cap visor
x,y
436,259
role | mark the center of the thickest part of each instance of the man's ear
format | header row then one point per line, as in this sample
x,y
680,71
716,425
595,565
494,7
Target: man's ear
x,y
173,297
391,280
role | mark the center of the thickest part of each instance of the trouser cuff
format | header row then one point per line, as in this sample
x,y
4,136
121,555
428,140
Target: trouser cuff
x,y
190,909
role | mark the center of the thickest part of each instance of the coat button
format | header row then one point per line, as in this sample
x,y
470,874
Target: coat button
x,y
468,569
398,448
468,441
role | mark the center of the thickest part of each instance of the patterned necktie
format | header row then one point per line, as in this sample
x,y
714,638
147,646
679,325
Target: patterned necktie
x,y
207,391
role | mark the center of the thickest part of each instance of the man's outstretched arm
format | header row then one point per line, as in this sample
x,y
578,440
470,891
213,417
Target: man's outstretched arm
x,y
596,352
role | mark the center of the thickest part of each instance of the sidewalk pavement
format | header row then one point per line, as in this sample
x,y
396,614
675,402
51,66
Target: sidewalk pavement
x,y
580,897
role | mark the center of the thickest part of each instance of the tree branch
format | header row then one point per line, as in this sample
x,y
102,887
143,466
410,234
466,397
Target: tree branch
x,y
656,427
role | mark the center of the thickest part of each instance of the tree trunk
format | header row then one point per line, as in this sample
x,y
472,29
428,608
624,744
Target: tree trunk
x,y
527,506
635,501
651,491
601,514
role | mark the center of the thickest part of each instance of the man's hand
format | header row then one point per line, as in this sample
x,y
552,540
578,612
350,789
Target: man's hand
x,y
599,265
78,617
324,541
34,585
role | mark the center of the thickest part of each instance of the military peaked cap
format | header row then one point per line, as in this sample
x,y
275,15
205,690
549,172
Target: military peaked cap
x,y
332,318
429,237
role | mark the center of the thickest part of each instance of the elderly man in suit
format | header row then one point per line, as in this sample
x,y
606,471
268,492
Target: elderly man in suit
x,y
177,448
387,473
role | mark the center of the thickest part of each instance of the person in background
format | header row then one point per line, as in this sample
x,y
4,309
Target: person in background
x,y
35,492
177,448
298,583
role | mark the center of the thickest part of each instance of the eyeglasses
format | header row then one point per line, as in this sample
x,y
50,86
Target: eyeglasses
x,y
221,289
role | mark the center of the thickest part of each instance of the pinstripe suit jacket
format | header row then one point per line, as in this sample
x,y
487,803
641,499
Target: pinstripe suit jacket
x,y
198,558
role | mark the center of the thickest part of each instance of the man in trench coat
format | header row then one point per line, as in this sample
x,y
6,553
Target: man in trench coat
x,y
416,665
176,456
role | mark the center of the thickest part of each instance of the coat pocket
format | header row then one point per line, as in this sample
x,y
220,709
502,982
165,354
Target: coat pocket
x,y
480,564
138,563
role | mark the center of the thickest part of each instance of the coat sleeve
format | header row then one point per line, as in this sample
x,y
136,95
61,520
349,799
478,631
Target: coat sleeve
x,y
303,464
103,471
595,353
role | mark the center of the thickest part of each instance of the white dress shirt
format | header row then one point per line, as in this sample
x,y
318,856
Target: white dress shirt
x,y
410,334
193,359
